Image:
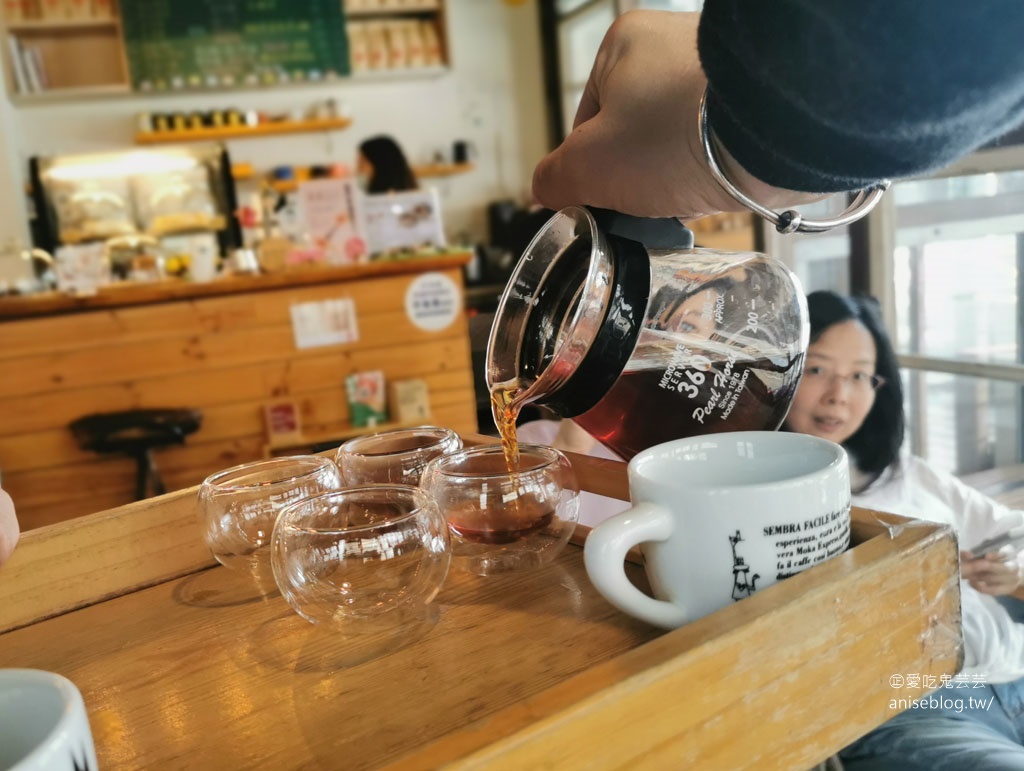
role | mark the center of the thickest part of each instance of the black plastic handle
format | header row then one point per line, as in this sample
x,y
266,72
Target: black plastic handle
x,y
652,232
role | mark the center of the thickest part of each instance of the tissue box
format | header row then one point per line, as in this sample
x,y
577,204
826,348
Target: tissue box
x,y
409,401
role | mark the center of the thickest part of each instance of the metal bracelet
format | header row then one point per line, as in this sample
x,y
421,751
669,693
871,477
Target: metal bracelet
x,y
789,221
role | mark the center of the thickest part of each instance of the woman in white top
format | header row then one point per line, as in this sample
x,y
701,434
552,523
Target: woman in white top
x,y
851,394
8,527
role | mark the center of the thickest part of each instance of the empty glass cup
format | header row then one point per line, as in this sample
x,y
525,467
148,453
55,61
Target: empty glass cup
x,y
394,457
501,521
362,559
239,506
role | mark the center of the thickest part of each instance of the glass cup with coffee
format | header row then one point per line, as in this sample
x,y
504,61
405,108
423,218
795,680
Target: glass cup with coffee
x,y
502,521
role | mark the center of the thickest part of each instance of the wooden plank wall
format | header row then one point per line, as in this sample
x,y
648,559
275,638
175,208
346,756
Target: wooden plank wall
x,y
224,355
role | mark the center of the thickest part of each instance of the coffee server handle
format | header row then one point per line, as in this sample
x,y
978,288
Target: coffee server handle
x,y
604,556
653,232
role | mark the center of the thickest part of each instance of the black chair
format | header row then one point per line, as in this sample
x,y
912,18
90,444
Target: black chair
x,y
136,433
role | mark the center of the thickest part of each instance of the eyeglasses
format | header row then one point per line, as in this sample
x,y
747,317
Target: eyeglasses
x,y
859,381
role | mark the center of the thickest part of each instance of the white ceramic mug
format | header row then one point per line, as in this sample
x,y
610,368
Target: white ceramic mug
x,y
43,724
719,517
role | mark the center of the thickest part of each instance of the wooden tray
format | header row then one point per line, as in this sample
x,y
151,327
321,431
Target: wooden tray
x,y
181,667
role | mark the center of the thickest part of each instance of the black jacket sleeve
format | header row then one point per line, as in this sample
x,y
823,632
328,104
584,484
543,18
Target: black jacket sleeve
x,y
829,95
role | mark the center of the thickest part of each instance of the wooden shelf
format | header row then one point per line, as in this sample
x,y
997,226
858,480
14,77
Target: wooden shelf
x,y
244,171
79,94
726,240
61,25
72,54
72,94
241,132
388,13
393,9
286,185
441,169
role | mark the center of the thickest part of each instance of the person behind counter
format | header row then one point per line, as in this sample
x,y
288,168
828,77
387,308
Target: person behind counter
x,y
384,166
851,394
8,527
803,97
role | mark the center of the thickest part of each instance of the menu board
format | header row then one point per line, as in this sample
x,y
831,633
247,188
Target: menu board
x,y
193,44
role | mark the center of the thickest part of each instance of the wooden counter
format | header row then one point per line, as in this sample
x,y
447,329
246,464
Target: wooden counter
x,y
226,348
181,668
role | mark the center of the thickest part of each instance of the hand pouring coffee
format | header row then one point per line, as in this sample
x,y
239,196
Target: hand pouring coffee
x,y
621,324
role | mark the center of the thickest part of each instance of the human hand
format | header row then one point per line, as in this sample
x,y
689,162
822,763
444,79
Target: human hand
x,y
635,145
8,527
995,573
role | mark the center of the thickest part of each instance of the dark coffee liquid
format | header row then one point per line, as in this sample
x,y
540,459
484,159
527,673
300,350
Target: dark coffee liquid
x,y
644,407
519,520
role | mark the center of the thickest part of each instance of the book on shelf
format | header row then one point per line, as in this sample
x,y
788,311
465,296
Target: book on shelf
x,y
28,65
18,64
35,68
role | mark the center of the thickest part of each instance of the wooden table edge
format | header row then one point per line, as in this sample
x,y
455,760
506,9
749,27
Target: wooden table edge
x,y
71,565
582,704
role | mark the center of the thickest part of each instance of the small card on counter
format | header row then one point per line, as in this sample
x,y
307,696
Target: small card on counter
x,y
367,400
283,421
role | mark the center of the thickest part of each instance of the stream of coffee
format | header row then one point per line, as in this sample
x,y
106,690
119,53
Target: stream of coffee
x,y
506,412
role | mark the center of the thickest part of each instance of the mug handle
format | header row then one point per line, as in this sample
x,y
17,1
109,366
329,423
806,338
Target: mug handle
x,y
604,556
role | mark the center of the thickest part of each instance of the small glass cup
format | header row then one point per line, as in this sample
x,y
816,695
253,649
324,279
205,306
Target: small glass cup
x,y
239,506
362,559
501,521
394,457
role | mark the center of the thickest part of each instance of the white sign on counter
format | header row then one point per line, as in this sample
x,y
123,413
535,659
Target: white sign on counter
x,y
329,210
81,268
401,221
327,322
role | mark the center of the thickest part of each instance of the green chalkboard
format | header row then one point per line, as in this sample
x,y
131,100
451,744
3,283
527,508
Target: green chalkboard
x,y
195,44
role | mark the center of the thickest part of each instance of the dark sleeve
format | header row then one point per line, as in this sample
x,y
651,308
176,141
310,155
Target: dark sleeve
x,y
828,95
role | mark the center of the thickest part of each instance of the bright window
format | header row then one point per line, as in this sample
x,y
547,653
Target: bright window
x,y
946,258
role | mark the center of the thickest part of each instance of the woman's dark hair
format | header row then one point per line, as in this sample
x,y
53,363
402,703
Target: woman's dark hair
x,y
876,445
391,170
668,299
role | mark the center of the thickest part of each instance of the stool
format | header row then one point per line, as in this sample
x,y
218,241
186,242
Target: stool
x,y
136,433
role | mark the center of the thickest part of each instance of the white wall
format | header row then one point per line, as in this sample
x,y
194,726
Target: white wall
x,y
492,96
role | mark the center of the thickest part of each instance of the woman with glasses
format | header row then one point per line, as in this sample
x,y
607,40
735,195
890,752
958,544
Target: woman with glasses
x,y
851,394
